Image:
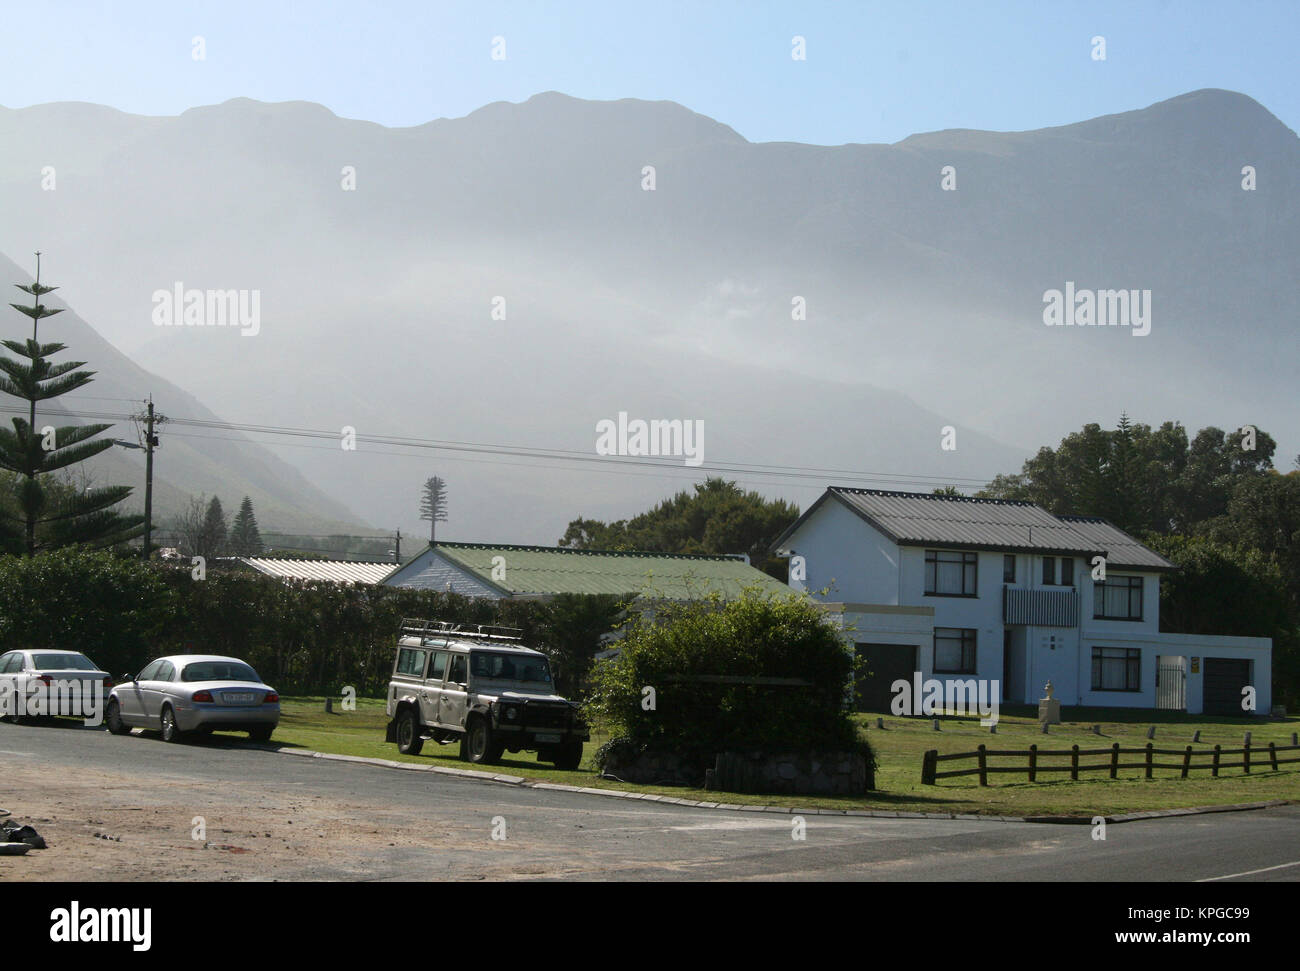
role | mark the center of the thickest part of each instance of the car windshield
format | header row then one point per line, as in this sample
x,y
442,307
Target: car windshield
x,y
219,671
510,667
63,662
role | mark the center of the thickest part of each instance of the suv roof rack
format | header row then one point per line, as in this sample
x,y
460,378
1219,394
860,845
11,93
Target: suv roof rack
x,y
416,627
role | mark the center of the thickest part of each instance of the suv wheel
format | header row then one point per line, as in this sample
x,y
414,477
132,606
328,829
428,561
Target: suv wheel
x,y
480,746
113,718
568,756
409,741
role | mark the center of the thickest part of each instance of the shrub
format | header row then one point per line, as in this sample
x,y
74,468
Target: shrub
x,y
108,607
682,650
304,637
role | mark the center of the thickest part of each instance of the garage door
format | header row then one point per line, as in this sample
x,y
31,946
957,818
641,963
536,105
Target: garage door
x,y
1224,679
885,663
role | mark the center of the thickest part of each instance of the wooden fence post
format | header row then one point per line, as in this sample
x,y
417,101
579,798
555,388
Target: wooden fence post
x,y
1149,748
984,773
929,766
1245,752
1074,763
1272,755
1114,761
1033,763
1214,769
1187,761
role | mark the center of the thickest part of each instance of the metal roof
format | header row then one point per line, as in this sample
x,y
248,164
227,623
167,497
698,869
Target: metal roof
x,y
550,570
336,571
917,518
909,518
1121,549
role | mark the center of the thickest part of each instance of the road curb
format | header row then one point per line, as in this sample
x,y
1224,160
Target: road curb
x,y
1156,813
523,783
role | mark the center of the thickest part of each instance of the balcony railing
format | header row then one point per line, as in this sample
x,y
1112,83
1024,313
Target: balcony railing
x,y
1040,608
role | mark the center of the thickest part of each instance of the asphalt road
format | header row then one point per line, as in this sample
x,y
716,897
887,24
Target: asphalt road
x,y
368,822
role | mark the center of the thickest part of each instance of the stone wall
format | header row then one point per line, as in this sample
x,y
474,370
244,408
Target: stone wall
x,y
819,773
653,769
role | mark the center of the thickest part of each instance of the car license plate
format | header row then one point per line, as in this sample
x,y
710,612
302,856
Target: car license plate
x,y
238,697
548,739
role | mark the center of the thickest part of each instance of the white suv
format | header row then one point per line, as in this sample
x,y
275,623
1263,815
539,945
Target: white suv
x,y
479,686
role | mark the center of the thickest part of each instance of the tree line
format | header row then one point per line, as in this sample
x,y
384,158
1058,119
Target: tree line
x,y
202,530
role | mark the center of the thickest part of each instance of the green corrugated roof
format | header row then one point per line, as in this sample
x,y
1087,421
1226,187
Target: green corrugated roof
x,y
552,570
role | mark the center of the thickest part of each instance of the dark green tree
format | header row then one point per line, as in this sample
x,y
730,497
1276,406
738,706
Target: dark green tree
x,y
716,517
1140,478
571,627
245,539
39,517
214,530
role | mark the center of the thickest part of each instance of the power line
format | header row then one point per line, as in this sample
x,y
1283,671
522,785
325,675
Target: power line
x,y
668,471
536,453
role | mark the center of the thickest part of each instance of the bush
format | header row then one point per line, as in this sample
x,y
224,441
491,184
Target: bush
x,y
679,650
112,609
304,637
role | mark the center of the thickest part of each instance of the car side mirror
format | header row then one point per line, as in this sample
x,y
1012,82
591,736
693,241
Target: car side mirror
x,y
128,677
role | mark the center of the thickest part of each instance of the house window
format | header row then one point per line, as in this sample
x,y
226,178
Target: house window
x,y
1008,568
1117,598
1049,571
954,650
1116,669
950,574
1067,572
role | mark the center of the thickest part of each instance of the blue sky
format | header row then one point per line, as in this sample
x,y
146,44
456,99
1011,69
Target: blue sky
x,y
874,71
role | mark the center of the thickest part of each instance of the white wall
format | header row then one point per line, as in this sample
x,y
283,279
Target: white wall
x,y
430,571
982,613
1258,650
1150,622
842,551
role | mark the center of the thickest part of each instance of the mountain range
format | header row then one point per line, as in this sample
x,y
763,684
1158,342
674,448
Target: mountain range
x,y
385,260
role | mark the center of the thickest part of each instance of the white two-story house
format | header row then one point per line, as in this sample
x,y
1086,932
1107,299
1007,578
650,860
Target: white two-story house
x,y
955,587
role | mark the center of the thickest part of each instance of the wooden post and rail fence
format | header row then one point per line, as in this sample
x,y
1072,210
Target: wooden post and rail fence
x,y
930,773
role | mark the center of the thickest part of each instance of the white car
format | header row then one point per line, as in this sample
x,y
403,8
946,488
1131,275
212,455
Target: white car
x,y
194,693
40,684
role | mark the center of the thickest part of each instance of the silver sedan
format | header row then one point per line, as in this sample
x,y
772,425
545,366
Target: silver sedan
x,y
37,684
188,693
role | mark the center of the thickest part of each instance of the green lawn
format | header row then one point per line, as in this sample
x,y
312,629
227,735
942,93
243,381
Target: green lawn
x,y
903,742
304,724
899,750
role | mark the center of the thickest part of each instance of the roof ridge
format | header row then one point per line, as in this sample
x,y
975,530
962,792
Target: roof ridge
x,y
573,551
308,559
933,496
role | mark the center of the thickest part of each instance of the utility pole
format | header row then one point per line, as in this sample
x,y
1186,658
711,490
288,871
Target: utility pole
x,y
397,550
150,443
151,420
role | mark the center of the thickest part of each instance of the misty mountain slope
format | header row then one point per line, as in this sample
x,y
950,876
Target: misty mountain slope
x,y
924,307
188,461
